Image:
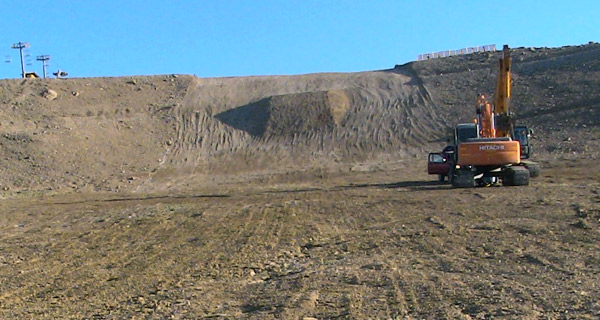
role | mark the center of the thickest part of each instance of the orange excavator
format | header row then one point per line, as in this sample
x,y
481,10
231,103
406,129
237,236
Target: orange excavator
x,y
492,148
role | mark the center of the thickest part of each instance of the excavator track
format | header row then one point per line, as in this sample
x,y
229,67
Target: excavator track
x,y
516,176
463,178
533,167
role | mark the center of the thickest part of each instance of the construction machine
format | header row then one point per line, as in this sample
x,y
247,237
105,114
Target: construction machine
x,y
492,148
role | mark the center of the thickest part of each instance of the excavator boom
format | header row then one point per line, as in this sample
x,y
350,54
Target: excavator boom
x,y
493,146
502,97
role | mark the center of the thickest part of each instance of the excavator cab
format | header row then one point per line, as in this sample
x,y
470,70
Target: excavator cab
x,y
522,134
465,131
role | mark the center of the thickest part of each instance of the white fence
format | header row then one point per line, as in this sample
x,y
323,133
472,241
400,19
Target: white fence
x,y
448,53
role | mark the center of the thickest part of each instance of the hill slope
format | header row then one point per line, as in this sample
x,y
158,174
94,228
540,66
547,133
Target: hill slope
x,y
144,133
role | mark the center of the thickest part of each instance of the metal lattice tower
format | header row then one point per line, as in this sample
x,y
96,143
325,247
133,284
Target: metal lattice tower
x,y
44,58
21,46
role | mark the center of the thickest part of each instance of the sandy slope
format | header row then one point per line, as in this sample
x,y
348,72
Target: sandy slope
x,y
143,133
101,132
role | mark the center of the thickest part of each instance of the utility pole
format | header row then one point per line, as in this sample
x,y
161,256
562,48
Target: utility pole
x,y
21,46
43,58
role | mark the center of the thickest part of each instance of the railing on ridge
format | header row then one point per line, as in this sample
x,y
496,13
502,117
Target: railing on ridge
x,y
449,53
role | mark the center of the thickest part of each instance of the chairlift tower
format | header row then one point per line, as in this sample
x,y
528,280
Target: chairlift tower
x,y
21,45
44,59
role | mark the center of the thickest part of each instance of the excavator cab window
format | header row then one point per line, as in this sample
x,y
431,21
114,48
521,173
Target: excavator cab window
x,y
465,132
521,134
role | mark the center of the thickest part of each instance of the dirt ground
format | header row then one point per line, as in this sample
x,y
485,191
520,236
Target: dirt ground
x,y
385,244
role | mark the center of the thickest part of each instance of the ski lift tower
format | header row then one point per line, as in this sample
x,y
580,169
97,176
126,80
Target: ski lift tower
x,y
44,58
21,46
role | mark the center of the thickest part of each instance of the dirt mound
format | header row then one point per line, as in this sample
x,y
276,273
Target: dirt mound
x,y
234,125
289,115
96,134
143,133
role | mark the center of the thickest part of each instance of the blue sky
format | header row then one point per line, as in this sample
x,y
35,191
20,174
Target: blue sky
x,y
221,38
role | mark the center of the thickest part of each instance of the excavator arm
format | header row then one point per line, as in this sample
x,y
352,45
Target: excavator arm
x,y
504,120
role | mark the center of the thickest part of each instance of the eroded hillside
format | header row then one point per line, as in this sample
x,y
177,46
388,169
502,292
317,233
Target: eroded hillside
x,y
153,132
